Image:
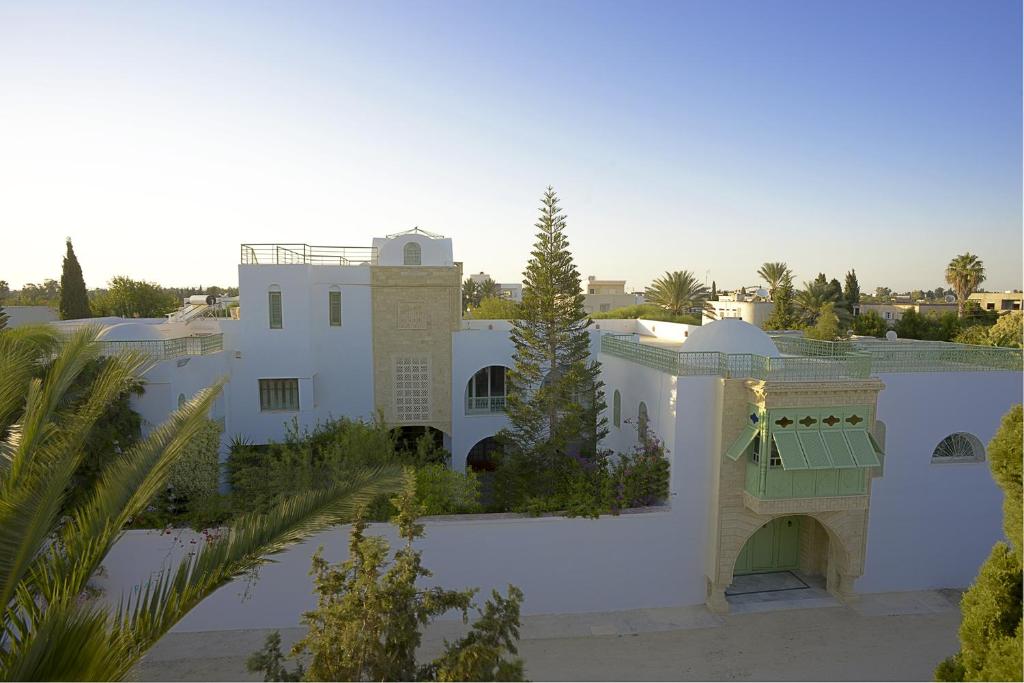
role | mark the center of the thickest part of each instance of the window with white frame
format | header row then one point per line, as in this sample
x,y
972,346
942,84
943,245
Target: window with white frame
x,y
412,388
279,394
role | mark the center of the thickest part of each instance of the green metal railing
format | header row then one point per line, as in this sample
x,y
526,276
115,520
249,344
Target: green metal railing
x,y
307,254
813,360
163,349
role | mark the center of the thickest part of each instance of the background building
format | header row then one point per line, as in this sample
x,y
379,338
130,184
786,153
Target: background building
x,y
600,296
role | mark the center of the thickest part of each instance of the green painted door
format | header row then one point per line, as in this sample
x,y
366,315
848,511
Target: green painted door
x,y
773,547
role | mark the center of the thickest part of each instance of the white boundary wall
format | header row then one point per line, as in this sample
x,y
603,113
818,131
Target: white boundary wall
x,y
563,566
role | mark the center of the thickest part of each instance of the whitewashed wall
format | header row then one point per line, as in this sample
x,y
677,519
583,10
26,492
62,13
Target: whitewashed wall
x,y
334,365
932,525
474,348
562,565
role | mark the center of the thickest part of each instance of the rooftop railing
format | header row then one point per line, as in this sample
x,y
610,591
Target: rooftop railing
x,y
812,360
306,254
164,349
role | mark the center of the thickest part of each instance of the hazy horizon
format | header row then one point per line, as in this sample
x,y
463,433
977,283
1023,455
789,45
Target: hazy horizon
x,y
706,136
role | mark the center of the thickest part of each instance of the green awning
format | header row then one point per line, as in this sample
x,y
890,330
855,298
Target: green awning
x,y
839,449
815,450
739,446
863,450
789,450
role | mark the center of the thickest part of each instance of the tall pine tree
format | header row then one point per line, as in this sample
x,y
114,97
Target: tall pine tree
x,y
556,400
74,301
851,292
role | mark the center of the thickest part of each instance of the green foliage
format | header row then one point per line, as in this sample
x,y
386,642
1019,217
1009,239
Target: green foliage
x,y
913,325
851,291
588,487
871,324
812,297
774,275
783,315
370,615
3,318
677,293
493,308
262,476
555,395
129,298
964,274
991,629
441,491
49,553
827,326
1007,331
74,300
270,660
647,312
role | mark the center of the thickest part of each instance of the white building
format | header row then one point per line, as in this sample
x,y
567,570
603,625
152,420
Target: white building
x,y
861,463
513,291
737,306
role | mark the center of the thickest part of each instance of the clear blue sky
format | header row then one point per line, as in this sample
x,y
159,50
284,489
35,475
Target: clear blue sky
x,y
709,136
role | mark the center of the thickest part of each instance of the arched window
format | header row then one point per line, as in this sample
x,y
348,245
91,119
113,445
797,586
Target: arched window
x,y
275,308
181,400
334,306
641,422
485,391
617,409
413,254
959,447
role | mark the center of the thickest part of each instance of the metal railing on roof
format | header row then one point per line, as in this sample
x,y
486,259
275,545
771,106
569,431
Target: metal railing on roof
x,y
164,349
813,360
307,254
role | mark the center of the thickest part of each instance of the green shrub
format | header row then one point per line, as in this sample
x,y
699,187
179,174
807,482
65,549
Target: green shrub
x,y
648,312
196,472
441,491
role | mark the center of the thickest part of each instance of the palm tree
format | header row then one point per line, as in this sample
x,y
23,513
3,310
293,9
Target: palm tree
x,y
488,288
811,298
964,273
50,546
774,274
677,292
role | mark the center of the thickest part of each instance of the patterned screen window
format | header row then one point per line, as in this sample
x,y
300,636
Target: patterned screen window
x,y
412,388
412,316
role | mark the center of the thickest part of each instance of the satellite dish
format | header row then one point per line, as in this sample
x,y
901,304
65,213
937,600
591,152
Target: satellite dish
x,y
950,299
891,335
762,292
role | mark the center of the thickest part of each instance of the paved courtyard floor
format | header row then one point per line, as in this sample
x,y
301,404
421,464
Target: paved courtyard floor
x,y
883,637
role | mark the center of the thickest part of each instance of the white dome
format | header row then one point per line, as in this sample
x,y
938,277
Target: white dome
x,y
730,335
132,331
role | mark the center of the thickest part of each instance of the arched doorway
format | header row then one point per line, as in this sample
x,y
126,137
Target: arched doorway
x,y
425,442
786,558
484,455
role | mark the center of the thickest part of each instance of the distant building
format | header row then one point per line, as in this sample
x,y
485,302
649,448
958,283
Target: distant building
x,y
890,313
607,295
1004,302
513,291
29,315
740,307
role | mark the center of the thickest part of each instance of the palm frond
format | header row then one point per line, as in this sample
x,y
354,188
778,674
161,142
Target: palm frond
x,y
246,545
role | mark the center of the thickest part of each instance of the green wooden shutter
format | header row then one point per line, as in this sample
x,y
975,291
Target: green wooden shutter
x,y
274,305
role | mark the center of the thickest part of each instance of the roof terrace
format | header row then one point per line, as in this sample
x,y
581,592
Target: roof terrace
x,y
808,360
307,254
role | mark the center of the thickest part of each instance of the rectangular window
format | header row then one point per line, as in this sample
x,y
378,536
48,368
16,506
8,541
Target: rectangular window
x,y
279,394
276,317
334,306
